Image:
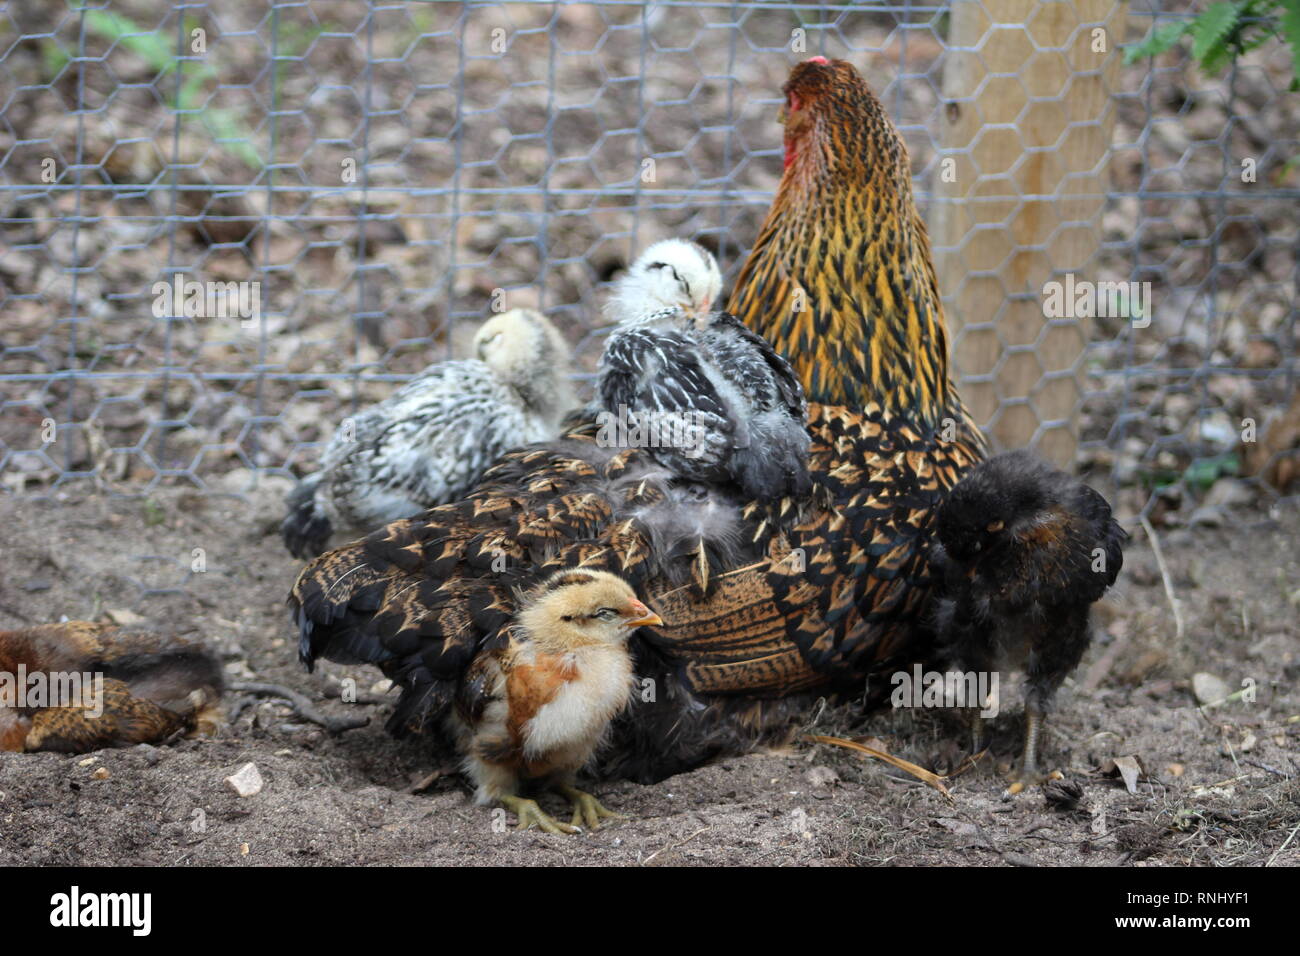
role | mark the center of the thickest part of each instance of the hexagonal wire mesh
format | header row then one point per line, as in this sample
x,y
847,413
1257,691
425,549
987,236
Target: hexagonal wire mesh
x,y
382,170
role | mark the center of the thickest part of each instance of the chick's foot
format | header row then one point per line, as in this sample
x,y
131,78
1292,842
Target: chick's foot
x,y
587,811
531,815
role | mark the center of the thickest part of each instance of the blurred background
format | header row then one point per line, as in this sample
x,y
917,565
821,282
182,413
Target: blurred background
x,y
390,172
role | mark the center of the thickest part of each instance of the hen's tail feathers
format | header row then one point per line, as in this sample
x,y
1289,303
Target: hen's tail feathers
x,y
306,529
333,601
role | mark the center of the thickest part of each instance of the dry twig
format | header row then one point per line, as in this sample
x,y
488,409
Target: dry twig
x,y
301,705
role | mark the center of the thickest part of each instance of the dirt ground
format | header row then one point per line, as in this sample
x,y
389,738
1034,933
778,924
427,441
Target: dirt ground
x,y
1219,786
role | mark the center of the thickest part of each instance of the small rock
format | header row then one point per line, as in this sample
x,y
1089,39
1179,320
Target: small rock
x,y
246,781
1228,493
822,777
38,584
1141,572
124,618
1208,688
1207,517
150,753
101,773
381,687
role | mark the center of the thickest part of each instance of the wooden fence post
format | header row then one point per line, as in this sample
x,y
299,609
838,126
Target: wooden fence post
x,y
1027,113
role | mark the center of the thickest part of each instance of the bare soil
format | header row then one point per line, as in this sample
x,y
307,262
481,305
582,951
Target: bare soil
x,y
1219,789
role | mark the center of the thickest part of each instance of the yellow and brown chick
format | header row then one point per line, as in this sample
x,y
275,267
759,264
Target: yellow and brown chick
x,y
1024,551
533,709
79,686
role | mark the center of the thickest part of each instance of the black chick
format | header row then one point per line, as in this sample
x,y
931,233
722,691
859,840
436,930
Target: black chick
x,y
1023,552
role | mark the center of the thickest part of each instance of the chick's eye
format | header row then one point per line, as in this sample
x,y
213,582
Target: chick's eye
x,y
606,614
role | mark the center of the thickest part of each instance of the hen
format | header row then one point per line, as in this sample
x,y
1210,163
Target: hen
x,y
762,616
710,399
535,705
78,686
1024,550
431,440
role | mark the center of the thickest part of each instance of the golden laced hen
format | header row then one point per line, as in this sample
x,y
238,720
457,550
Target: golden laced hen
x,y
763,614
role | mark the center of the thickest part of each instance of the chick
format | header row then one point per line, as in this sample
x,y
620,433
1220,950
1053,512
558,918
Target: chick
x,y
430,441
711,400
534,707
79,686
1023,552
671,274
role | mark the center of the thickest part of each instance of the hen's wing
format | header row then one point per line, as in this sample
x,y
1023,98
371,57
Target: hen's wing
x,y
749,610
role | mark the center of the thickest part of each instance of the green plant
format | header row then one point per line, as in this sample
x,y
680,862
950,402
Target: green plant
x,y
1225,30
227,129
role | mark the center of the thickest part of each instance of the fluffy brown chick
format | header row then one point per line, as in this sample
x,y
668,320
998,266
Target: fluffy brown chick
x,y
1024,550
534,708
79,686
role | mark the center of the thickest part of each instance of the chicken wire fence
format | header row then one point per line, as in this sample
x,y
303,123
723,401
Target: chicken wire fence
x,y
356,185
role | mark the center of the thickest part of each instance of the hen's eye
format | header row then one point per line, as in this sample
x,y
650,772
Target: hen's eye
x,y
996,526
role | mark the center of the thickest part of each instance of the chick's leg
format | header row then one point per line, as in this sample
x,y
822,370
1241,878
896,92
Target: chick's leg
x,y
531,815
1029,775
1050,662
587,811
978,733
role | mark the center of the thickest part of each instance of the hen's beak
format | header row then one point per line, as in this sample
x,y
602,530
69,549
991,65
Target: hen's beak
x,y
641,616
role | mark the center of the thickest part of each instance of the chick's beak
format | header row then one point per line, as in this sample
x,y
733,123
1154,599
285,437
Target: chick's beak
x,y
638,615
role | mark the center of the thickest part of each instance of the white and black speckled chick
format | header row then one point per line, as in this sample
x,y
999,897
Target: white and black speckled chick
x,y
712,400
430,441
1024,550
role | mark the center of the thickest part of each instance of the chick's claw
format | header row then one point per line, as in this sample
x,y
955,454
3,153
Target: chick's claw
x,y
531,815
1030,777
587,811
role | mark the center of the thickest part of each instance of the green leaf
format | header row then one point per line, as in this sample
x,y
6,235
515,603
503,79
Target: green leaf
x,y
230,133
53,58
1211,28
1160,39
150,47
1291,30
1206,471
